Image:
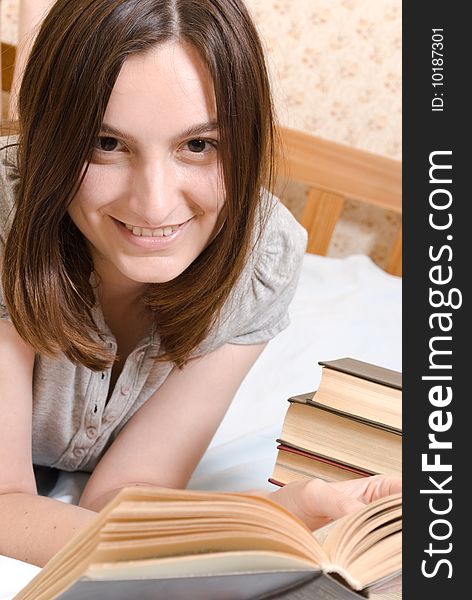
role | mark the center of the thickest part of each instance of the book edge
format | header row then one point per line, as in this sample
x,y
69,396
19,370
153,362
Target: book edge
x,y
337,462
317,457
305,400
383,376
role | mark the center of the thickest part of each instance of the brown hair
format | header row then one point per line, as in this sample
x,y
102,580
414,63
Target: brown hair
x,y
73,66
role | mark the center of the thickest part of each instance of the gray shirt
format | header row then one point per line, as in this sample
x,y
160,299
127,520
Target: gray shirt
x,y
72,422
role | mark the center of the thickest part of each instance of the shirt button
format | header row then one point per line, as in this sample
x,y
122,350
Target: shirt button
x,y
108,418
79,452
91,432
125,390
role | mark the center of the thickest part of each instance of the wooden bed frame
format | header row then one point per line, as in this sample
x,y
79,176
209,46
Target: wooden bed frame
x,y
332,172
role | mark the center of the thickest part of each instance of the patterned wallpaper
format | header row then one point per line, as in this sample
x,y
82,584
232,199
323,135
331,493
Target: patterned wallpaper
x,y
336,73
336,68
9,20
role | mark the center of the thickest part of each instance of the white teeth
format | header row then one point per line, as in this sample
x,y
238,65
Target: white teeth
x,y
144,232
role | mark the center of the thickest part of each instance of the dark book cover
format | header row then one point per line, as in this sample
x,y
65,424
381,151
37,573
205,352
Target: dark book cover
x,y
364,370
309,400
294,585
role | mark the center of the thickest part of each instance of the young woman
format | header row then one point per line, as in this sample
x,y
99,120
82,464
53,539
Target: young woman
x,y
144,266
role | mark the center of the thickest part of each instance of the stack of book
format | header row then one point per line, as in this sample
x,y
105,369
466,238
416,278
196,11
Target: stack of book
x,y
350,427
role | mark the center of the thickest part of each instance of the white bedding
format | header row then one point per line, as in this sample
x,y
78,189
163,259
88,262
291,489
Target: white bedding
x,y
342,307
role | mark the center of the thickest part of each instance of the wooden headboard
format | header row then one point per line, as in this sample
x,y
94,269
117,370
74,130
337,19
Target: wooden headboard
x,y
7,60
333,173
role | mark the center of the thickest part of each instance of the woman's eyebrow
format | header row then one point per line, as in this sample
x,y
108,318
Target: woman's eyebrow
x,y
115,132
193,130
199,129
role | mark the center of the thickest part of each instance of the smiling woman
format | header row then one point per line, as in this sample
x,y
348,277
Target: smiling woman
x,y
144,260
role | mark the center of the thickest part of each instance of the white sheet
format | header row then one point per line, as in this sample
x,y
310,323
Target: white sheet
x,y
342,307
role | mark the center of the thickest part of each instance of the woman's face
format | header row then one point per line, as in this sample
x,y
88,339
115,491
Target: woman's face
x,y
151,199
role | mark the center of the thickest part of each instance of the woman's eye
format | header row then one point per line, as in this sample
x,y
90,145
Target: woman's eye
x,y
107,144
199,146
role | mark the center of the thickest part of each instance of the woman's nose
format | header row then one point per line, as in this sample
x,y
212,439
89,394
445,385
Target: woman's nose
x,y
154,196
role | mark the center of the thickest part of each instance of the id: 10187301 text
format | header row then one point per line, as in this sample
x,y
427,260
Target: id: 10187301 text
x,y
437,69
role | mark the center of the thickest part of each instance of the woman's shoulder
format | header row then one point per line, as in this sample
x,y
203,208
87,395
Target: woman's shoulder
x,y
273,268
257,309
281,240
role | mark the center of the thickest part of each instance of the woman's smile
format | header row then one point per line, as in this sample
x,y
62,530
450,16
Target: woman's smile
x,y
152,239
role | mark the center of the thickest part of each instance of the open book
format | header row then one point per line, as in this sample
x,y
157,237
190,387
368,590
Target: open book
x,y
160,543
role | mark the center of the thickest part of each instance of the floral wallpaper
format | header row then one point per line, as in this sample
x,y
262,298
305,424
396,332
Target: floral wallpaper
x,y
336,72
336,67
9,20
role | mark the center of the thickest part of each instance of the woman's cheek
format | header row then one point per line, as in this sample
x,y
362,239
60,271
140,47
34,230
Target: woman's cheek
x,y
206,188
102,186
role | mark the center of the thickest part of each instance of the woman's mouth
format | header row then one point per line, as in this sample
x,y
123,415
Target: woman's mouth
x,y
152,238
158,232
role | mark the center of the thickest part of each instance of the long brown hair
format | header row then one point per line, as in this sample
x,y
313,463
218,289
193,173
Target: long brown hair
x,y
70,74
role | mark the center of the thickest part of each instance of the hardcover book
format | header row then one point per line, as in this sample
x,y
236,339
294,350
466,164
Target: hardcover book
x,y
319,430
362,390
293,465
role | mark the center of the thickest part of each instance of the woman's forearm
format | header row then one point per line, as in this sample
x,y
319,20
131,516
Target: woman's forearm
x,y
33,528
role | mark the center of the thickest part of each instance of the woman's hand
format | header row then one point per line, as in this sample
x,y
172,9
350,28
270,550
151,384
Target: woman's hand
x,y
316,502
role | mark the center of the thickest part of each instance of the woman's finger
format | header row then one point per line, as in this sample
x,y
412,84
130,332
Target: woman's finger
x,y
316,502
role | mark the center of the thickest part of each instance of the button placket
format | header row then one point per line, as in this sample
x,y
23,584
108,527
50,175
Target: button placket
x,y
79,452
91,432
94,413
124,386
106,418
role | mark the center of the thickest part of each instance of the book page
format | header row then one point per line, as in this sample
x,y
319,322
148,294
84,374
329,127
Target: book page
x,y
366,546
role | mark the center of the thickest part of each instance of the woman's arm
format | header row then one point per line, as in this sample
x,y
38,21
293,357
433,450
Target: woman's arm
x,y
164,441
32,528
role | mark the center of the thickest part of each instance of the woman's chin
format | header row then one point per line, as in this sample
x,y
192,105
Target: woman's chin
x,y
162,272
